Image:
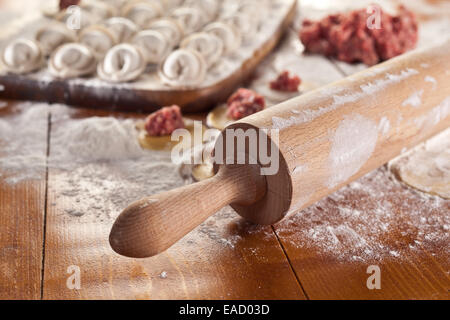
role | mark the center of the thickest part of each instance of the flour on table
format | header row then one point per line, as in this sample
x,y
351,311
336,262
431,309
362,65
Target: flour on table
x,y
427,167
361,222
23,143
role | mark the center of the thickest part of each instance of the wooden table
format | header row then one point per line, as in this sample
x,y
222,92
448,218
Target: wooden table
x,y
226,257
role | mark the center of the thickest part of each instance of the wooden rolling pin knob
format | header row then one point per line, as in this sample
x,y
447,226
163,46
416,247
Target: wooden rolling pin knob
x,y
324,140
153,224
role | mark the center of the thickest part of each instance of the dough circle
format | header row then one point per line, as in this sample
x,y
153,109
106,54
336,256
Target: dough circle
x,y
218,119
427,167
163,143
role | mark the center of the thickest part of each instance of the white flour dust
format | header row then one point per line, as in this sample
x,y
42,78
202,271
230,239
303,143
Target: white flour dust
x,y
23,143
371,219
414,100
347,153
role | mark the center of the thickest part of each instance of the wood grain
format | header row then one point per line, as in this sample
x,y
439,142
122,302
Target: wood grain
x,y
225,258
415,272
408,270
22,208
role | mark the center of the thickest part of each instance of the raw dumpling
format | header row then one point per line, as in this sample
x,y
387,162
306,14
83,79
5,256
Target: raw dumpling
x,y
208,45
53,35
230,36
72,60
23,56
183,68
122,63
99,39
143,13
123,28
154,45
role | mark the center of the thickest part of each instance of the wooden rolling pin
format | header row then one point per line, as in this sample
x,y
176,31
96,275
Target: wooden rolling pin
x,y
326,139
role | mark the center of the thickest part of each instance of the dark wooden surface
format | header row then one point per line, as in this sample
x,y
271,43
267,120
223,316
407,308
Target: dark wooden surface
x,y
225,258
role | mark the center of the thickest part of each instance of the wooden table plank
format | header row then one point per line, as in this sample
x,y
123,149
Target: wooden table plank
x,y
375,221
410,269
225,258
22,207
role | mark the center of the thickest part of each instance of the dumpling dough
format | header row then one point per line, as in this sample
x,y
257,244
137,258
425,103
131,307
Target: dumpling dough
x,y
154,45
143,13
122,63
191,19
218,118
123,28
171,28
163,143
22,56
98,38
183,68
53,35
208,45
72,60
230,36
427,167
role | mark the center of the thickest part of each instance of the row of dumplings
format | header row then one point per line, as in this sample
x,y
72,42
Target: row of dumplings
x,y
184,45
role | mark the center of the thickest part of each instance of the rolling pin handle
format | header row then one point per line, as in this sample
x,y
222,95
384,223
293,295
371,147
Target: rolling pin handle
x,y
153,224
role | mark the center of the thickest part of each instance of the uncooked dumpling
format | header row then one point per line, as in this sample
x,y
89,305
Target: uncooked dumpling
x,y
22,56
123,62
183,68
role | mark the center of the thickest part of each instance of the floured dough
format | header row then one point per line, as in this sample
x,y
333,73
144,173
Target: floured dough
x,y
122,63
22,56
72,60
218,118
183,68
154,45
99,39
163,143
275,96
208,45
427,167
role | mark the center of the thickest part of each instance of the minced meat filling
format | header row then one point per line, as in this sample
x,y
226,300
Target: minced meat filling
x,y
348,38
164,121
285,82
243,103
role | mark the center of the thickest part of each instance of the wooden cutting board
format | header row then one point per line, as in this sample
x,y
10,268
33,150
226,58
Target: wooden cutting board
x,y
93,93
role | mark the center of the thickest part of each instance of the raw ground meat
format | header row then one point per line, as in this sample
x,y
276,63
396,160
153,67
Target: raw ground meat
x,y
243,103
164,121
63,4
286,83
347,37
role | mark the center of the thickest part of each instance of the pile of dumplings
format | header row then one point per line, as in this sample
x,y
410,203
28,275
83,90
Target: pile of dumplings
x,y
119,40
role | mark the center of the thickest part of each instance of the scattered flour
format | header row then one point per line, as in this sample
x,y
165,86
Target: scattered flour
x,y
371,219
431,80
436,115
352,145
384,126
414,100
